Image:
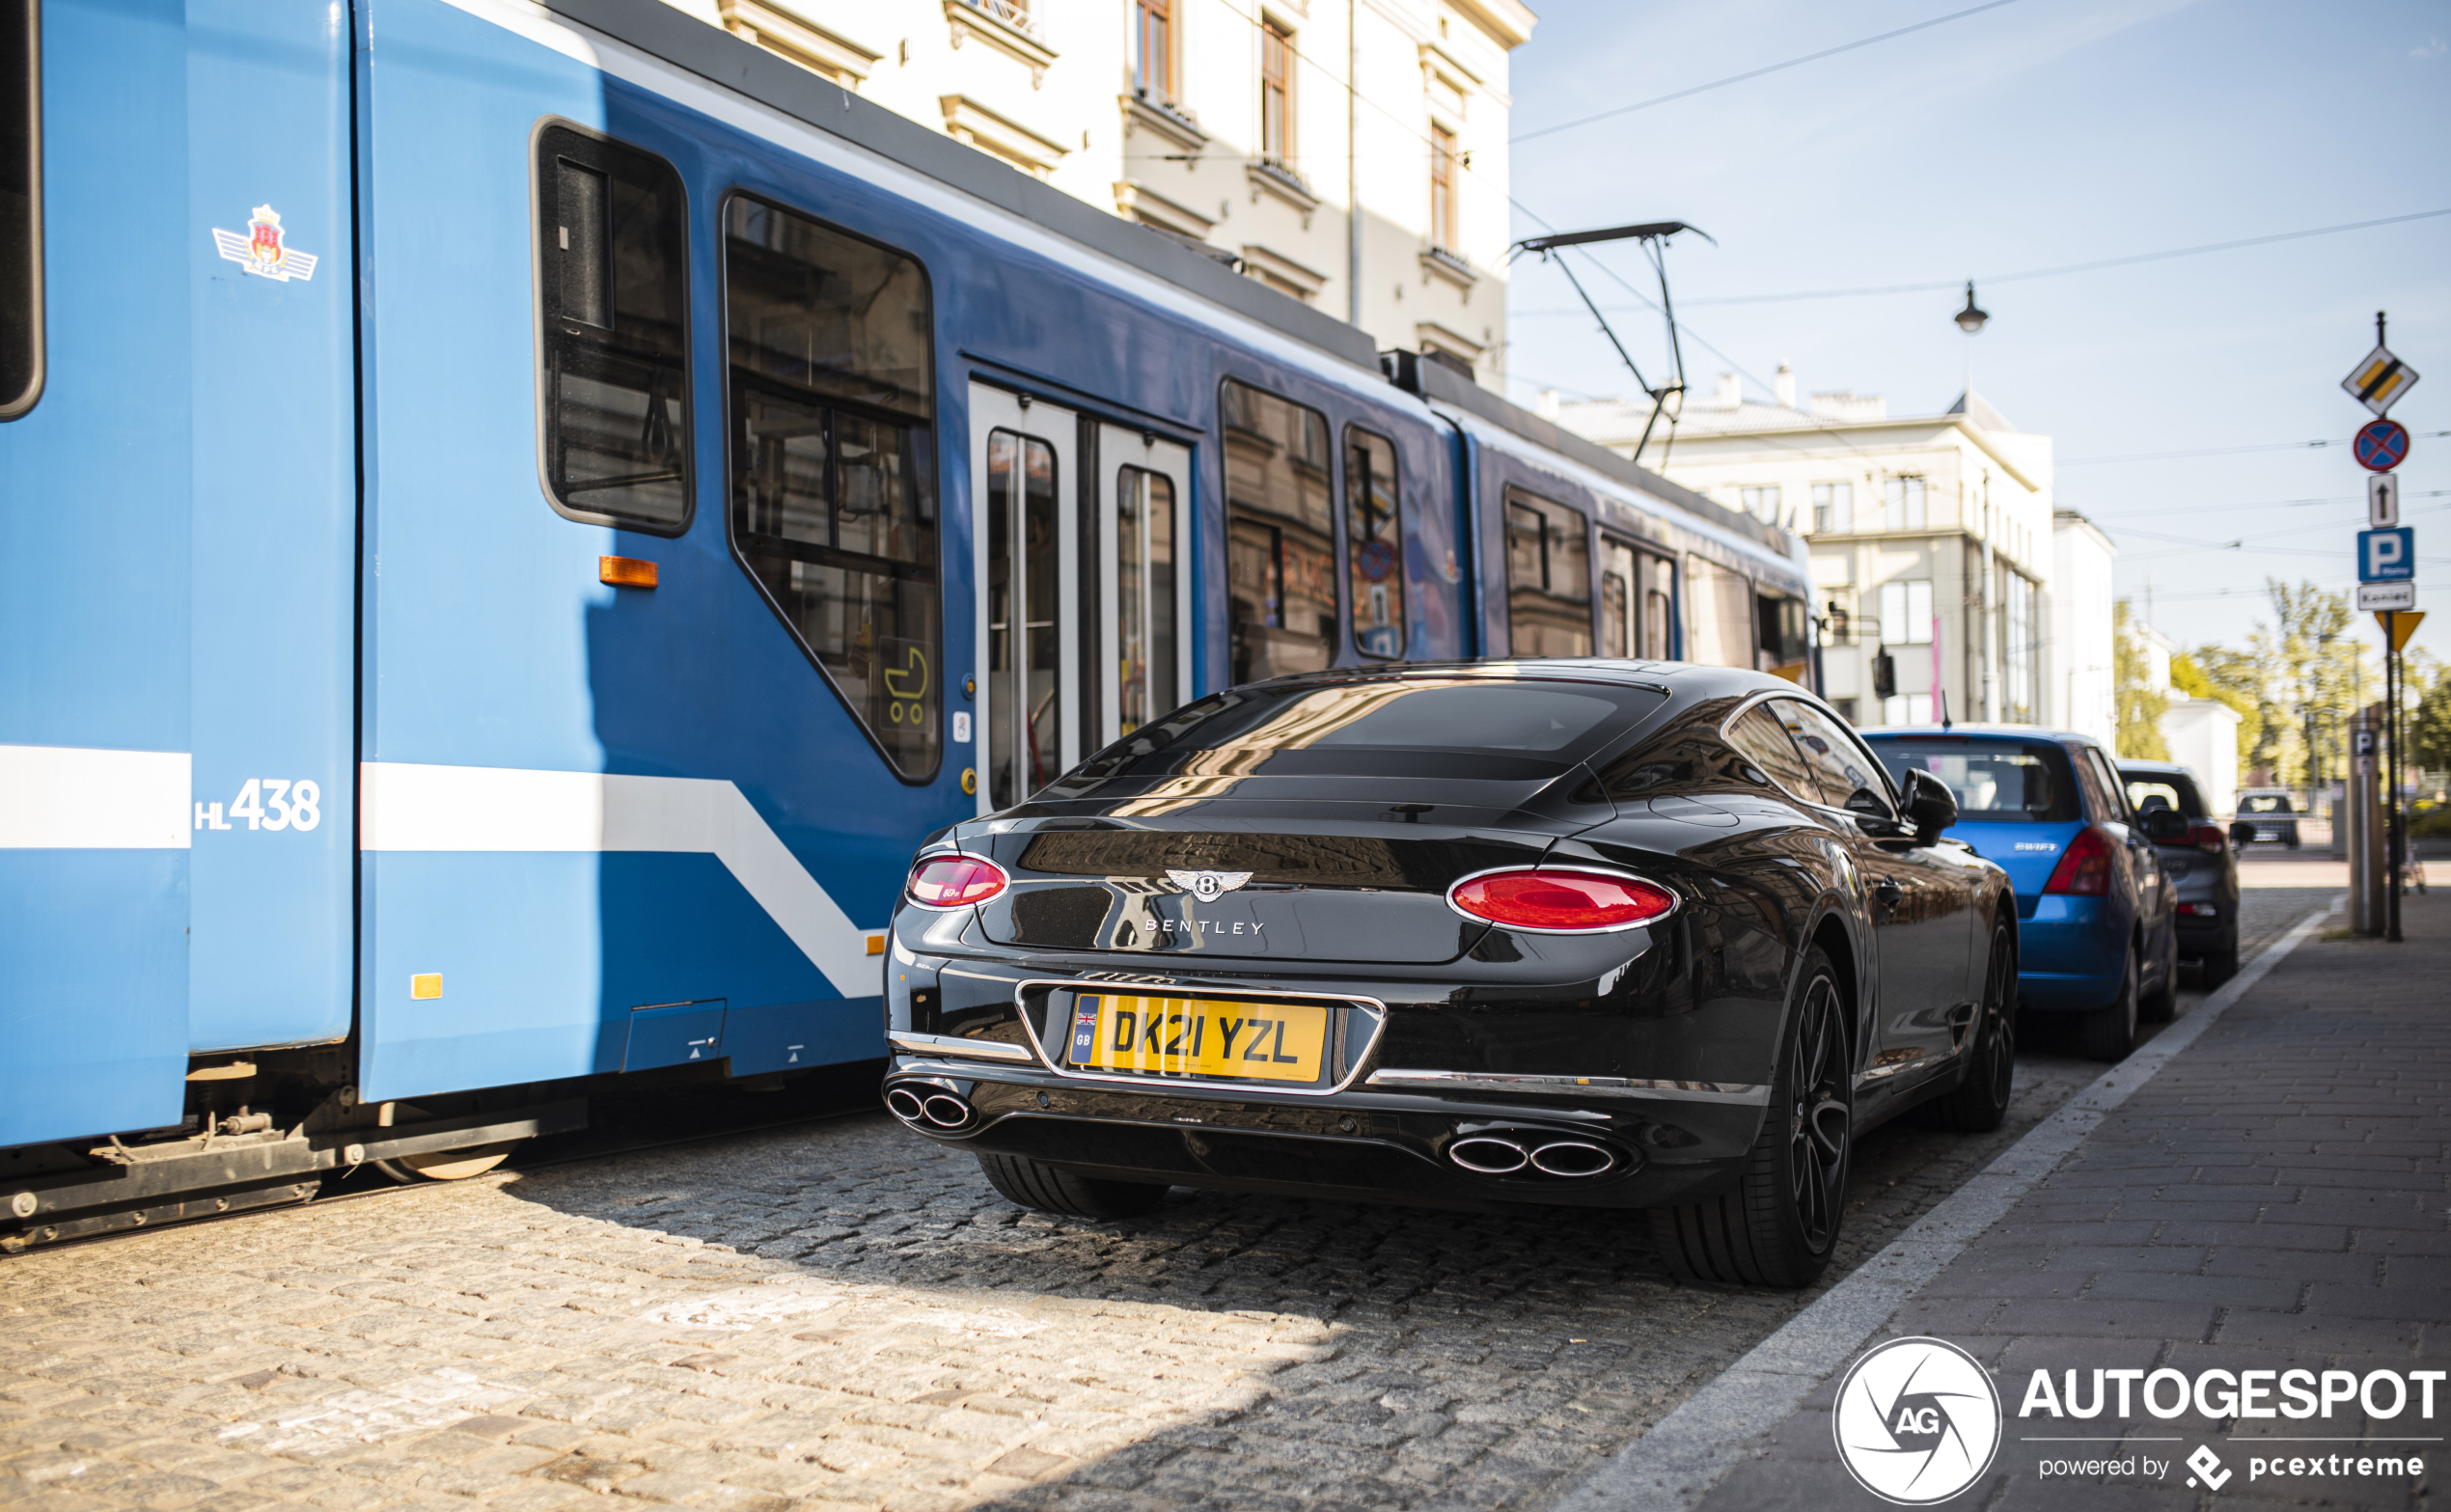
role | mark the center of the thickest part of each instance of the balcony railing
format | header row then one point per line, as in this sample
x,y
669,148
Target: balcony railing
x,y
1009,11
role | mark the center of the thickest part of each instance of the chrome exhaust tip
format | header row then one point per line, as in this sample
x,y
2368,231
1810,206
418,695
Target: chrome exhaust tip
x,y
1485,1155
1573,1158
944,1111
907,1105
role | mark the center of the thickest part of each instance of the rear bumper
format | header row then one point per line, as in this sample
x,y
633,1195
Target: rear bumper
x,y
2072,954
1363,1144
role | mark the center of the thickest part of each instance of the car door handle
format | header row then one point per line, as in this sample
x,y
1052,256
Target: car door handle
x,y
1888,892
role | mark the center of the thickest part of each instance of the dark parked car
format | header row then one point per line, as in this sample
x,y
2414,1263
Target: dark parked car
x,y
2094,921
1582,933
2197,857
2272,812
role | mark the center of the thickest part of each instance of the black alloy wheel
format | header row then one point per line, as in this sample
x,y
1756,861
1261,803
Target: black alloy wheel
x,y
2221,962
1052,1189
2159,1005
1779,1224
2110,1030
1981,1101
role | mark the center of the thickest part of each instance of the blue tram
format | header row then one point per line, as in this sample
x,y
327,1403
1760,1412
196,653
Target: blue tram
x,y
516,519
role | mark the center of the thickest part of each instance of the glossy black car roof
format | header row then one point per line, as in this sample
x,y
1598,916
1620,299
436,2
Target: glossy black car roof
x,y
1685,682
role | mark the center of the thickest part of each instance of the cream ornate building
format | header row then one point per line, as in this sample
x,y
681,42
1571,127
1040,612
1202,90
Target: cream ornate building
x,y
1932,539
1225,122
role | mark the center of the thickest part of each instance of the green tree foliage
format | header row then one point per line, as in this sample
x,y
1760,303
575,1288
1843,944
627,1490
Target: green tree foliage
x,y
2140,705
2428,717
2319,676
2237,678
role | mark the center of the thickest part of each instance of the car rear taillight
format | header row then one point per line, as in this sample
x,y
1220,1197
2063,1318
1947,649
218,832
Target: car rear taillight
x,y
2084,868
2200,910
955,882
1562,902
2208,836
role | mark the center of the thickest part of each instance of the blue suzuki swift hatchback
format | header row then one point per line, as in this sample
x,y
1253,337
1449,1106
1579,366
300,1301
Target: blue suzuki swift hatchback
x,y
2095,931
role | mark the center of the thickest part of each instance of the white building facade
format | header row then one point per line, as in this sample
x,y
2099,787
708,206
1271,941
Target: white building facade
x,y
2081,667
1931,536
1228,123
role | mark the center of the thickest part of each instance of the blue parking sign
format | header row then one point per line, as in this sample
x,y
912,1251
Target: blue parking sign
x,y
2387,555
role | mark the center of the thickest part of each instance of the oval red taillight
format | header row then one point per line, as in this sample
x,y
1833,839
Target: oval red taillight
x,y
1562,902
954,881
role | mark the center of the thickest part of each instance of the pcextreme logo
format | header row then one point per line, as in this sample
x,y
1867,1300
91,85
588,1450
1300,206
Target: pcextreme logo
x,y
1917,1421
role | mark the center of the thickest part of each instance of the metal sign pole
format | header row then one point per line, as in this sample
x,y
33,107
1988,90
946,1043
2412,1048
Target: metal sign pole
x,y
2391,723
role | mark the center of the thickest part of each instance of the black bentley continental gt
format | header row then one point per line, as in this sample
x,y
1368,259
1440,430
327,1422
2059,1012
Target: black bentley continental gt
x,y
1569,934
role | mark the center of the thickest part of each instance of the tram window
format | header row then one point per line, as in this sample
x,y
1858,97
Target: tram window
x,y
20,206
833,509
1634,595
1024,608
1374,544
1785,638
1719,629
1145,595
1279,537
614,279
1548,578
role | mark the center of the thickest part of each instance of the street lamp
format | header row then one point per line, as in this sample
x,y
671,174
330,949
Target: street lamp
x,y
1972,319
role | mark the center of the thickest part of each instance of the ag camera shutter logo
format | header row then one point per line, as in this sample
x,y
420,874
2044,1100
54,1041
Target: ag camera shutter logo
x,y
1918,1421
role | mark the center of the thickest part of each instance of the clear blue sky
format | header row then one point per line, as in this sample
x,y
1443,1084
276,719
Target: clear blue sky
x,y
2041,133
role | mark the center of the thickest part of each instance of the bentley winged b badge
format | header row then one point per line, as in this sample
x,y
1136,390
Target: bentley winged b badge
x,y
1208,885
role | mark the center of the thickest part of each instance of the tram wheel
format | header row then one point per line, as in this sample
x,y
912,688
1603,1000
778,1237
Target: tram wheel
x,y
446,1165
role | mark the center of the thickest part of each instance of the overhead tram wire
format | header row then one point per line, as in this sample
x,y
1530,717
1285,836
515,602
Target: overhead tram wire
x,y
2226,451
2034,273
1755,73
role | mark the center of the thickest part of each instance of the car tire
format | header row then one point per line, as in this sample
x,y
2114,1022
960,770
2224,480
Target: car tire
x,y
1981,1100
1051,1189
2163,1001
2221,962
2110,1031
1780,1223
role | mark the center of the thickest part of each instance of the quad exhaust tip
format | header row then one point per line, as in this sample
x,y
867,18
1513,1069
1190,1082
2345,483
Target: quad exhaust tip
x,y
1499,1154
931,1108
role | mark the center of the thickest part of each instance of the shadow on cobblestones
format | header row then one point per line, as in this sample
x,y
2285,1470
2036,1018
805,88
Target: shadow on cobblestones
x,y
843,1316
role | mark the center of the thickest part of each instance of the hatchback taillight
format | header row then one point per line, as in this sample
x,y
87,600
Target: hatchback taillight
x,y
1562,902
955,882
2084,868
2209,837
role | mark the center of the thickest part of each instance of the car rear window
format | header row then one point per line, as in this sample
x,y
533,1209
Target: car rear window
x,y
1995,781
2164,790
1462,727
2266,803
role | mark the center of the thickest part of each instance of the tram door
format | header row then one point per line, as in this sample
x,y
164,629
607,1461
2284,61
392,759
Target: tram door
x,y
1083,537
1638,598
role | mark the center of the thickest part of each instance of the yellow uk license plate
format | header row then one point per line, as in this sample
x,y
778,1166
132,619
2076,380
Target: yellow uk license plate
x,y
1198,1036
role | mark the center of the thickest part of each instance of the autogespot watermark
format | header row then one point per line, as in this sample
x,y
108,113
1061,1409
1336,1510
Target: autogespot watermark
x,y
1918,1421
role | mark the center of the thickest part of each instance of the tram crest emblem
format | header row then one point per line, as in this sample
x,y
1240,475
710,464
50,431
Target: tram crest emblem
x,y
263,248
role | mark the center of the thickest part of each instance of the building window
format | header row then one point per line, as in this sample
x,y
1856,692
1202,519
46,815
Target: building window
x,y
1153,49
1909,708
1902,498
2017,702
1441,187
1833,508
20,206
833,507
1906,613
1374,545
1762,504
1280,567
1846,708
1276,94
613,289
1548,578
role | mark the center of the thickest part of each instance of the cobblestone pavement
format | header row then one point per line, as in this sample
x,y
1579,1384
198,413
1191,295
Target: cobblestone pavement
x,y
843,1316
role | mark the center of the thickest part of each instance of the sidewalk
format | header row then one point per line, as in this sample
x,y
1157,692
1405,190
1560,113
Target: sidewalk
x,y
2273,1200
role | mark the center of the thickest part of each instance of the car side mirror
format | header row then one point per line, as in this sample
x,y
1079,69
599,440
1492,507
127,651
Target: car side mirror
x,y
1931,808
2164,826
2242,833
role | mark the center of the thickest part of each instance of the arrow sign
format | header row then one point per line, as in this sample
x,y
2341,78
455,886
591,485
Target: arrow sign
x,y
2381,445
2379,380
2387,555
2382,500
